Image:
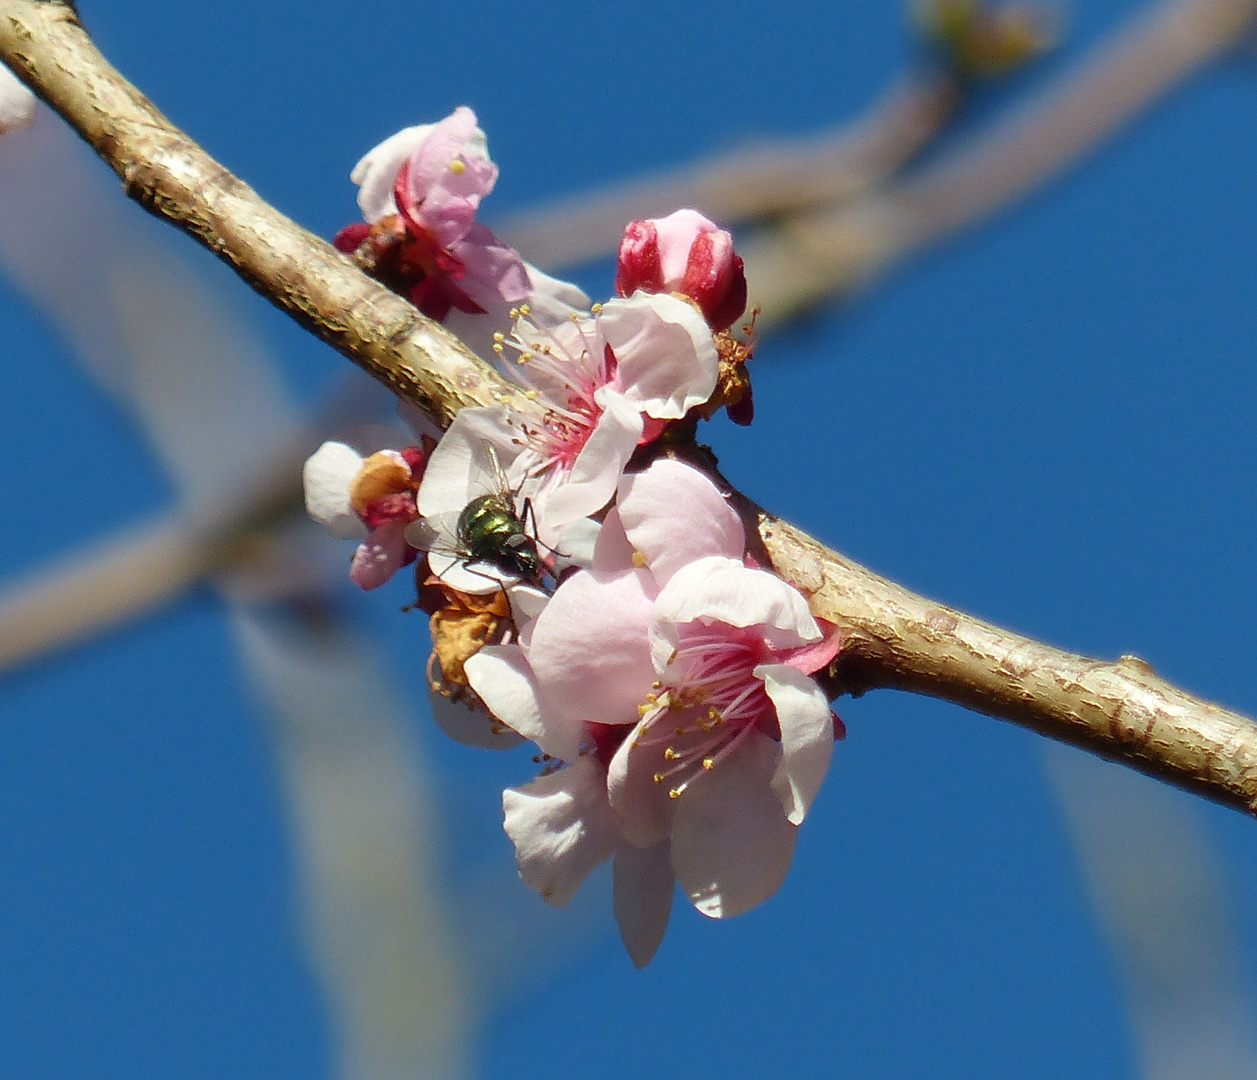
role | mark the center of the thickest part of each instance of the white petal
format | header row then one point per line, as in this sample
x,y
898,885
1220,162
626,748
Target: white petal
x,y
503,679
596,471
327,475
471,726
807,736
448,478
17,103
717,589
674,515
527,602
476,578
642,805
562,827
642,887
376,173
731,844
667,360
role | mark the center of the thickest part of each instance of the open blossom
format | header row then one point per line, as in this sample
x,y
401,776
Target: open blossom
x,y
371,499
604,383
419,191
695,708
17,103
685,253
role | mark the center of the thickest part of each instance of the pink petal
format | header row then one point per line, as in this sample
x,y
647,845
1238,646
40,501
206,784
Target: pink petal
x,y
717,589
449,174
493,272
666,359
561,827
642,890
381,556
674,515
612,552
807,737
643,806
731,845
588,648
503,679
590,484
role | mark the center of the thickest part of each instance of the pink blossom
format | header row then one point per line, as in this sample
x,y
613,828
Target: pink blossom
x,y
369,498
604,383
684,675
419,191
688,254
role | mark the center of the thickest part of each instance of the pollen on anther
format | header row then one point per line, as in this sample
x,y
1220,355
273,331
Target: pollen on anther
x,y
596,309
674,793
498,336
458,167
658,778
709,764
531,395
670,755
639,560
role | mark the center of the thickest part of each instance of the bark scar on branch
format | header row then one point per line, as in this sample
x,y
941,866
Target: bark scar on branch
x,y
893,638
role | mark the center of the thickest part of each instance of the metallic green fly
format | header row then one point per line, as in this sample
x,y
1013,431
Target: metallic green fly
x,y
490,529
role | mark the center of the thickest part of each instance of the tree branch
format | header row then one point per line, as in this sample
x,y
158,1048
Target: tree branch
x,y
819,252
894,638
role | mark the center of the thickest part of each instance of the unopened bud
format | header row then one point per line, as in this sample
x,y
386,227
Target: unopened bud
x,y
688,254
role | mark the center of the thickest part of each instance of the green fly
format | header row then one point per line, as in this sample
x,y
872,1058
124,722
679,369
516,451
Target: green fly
x,y
489,529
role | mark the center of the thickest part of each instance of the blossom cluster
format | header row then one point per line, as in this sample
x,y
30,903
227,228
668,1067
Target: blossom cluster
x,y
590,591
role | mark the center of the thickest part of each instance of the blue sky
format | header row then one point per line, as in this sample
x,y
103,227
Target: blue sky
x,y
1046,422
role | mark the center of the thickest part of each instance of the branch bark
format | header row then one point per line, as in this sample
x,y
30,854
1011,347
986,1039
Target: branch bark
x,y
894,638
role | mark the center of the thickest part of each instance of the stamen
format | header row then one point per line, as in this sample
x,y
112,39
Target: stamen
x,y
458,167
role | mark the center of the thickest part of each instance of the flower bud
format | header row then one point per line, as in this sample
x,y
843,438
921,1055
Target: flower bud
x,y
687,254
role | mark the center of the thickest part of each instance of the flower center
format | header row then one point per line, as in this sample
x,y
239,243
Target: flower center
x,y
563,366
706,703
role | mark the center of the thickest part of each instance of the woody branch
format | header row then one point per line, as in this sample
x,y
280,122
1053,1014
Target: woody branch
x,y
893,638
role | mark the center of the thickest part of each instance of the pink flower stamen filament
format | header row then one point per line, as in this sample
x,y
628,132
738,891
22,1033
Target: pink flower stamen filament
x,y
545,361
722,701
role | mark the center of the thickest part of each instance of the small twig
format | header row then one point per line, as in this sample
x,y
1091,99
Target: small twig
x,y
137,572
771,178
816,254
893,638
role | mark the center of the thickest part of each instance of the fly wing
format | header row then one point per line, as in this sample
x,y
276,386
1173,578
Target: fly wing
x,y
437,533
487,475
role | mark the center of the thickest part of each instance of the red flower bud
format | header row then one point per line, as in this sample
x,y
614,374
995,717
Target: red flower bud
x,y
688,254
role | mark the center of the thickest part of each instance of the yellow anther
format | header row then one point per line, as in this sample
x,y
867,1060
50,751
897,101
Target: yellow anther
x,y
574,317
639,560
656,685
708,764
458,167
674,793
498,349
596,309
531,395
524,309
642,710
658,778
514,313
670,755
498,336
